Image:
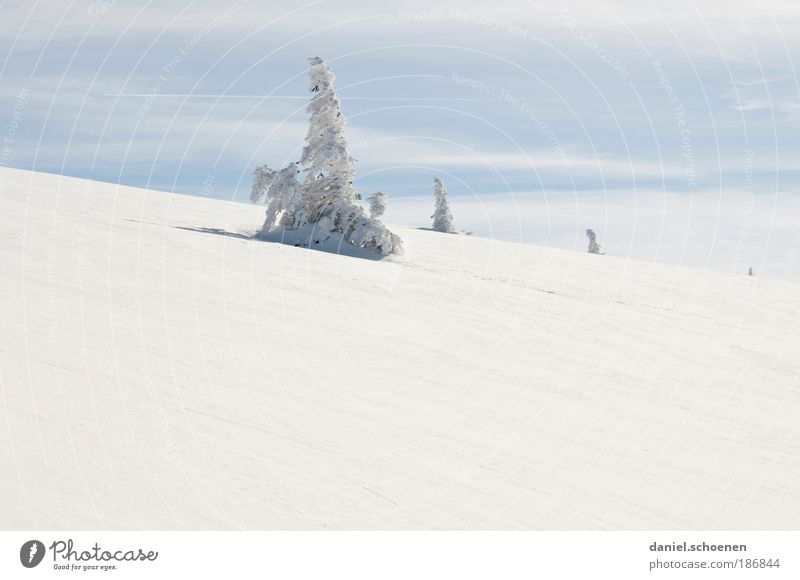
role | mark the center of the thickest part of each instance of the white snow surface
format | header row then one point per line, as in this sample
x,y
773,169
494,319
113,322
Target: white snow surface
x,y
156,374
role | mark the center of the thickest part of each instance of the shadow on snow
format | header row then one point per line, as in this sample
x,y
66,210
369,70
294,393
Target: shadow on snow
x,y
300,238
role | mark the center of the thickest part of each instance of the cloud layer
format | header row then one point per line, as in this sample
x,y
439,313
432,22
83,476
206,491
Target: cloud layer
x,y
616,101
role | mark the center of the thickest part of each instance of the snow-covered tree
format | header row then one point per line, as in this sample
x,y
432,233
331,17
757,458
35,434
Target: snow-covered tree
x,y
594,247
377,203
262,179
326,199
285,203
286,206
750,272
442,218
329,165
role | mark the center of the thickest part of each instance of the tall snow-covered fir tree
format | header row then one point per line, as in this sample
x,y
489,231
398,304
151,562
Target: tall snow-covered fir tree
x,y
442,218
594,247
324,204
331,169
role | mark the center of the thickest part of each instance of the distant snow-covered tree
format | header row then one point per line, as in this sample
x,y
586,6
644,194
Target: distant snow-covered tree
x,y
326,199
377,204
750,272
594,247
442,218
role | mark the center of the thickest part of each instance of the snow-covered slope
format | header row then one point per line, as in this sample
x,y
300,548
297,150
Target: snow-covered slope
x,y
156,374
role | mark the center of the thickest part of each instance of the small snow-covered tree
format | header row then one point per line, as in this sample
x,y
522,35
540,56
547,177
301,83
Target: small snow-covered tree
x,y
262,179
326,199
377,204
594,247
284,200
285,203
442,218
750,272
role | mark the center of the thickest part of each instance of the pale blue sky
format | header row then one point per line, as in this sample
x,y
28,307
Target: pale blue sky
x,y
670,128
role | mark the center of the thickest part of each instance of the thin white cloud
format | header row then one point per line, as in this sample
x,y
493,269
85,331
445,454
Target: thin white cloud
x,y
727,20
380,148
776,95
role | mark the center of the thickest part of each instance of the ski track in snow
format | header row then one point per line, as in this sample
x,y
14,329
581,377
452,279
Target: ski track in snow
x,y
159,368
